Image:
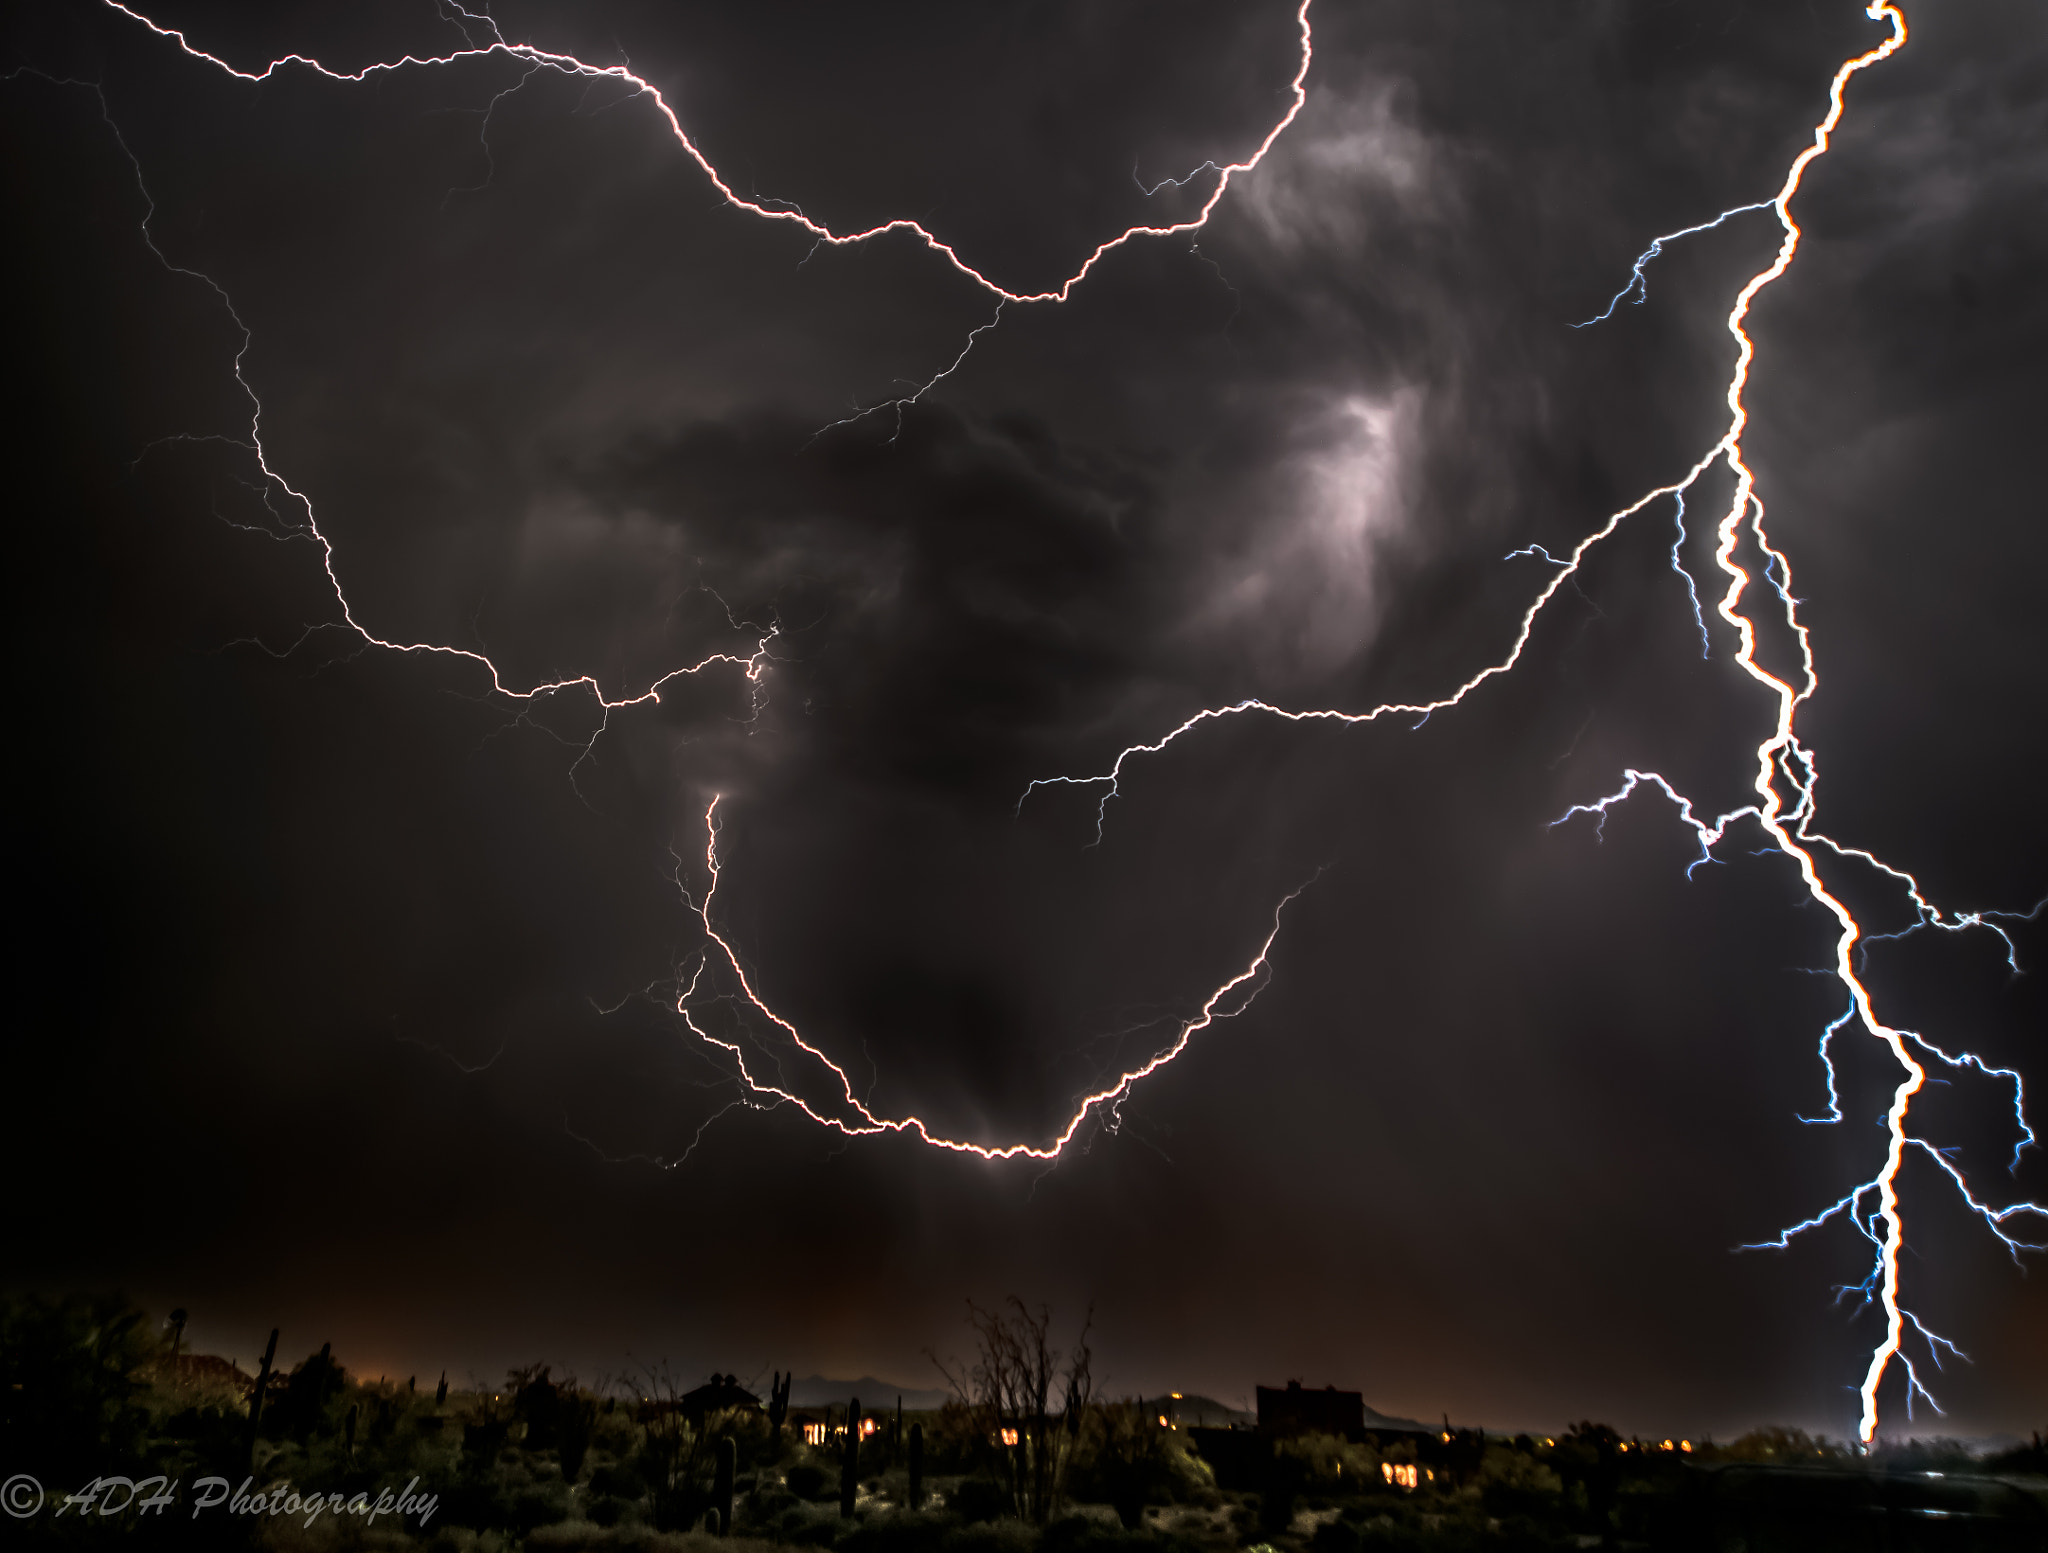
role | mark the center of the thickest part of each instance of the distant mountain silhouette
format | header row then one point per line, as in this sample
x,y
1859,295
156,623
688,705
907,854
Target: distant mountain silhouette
x,y
875,1395
1196,1409
1377,1420
1193,1408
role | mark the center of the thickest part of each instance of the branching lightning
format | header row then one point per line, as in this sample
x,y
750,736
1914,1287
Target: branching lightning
x,y
850,1114
855,1118
776,210
1786,780
1786,784
1637,291
753,664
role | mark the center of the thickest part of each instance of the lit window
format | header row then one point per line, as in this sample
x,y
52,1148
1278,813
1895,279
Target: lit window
x,y
1685,1445
814,1434
868,1427
1401,1474
1009,1437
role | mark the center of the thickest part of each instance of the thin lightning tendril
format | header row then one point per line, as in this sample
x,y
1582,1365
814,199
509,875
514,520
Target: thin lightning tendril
x,y
853,1117
1637,290
754,663
1872,1206
755,1094
1786,780
775,210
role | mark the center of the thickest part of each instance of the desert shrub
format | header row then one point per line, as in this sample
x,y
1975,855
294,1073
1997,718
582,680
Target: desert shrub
x,y
808,1480
1010,1536
68,1385
532,1506
802,1527
1513,1483
1127,1461
1938,1454
1285,1476
312,1396
955,1440
901,1532
618,1481
1331,1464
2031,1458
980,1499
768,1501
1084,1534
1775,1442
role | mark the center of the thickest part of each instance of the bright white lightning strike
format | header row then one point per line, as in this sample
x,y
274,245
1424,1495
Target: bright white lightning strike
x,y
1781,758
1789,825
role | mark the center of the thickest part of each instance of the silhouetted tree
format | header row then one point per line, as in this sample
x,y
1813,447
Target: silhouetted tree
x,y
302,1410
68,1386
1017,1381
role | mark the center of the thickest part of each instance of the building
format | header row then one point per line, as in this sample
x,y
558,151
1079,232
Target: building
x,y
1295,1411
722,1393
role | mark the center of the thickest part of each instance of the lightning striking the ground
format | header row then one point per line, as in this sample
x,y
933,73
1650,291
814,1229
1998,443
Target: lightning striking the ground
x,y
1786,784
1786,769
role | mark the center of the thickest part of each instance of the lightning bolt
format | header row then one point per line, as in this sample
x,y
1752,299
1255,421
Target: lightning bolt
x,y
1786,779
569,64
755,663
854,1117
851,1116
1637,291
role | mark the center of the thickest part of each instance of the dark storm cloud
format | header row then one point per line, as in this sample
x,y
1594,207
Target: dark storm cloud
x,y
1511,1094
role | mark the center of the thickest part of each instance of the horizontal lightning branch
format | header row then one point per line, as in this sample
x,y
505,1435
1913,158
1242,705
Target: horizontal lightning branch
x,y
851,1116
753,664
1785,813
1786,781
569,64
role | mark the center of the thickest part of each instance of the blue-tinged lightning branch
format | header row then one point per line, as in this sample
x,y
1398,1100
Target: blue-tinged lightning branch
x,y
776,1065
1786,784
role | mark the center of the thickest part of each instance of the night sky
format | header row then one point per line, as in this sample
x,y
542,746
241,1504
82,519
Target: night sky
x,y
347,989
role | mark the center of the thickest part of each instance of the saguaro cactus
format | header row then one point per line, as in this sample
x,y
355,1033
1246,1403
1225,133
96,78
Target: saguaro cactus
x,y
778,1403
256,1396
721,1488
916,1466
849,1470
